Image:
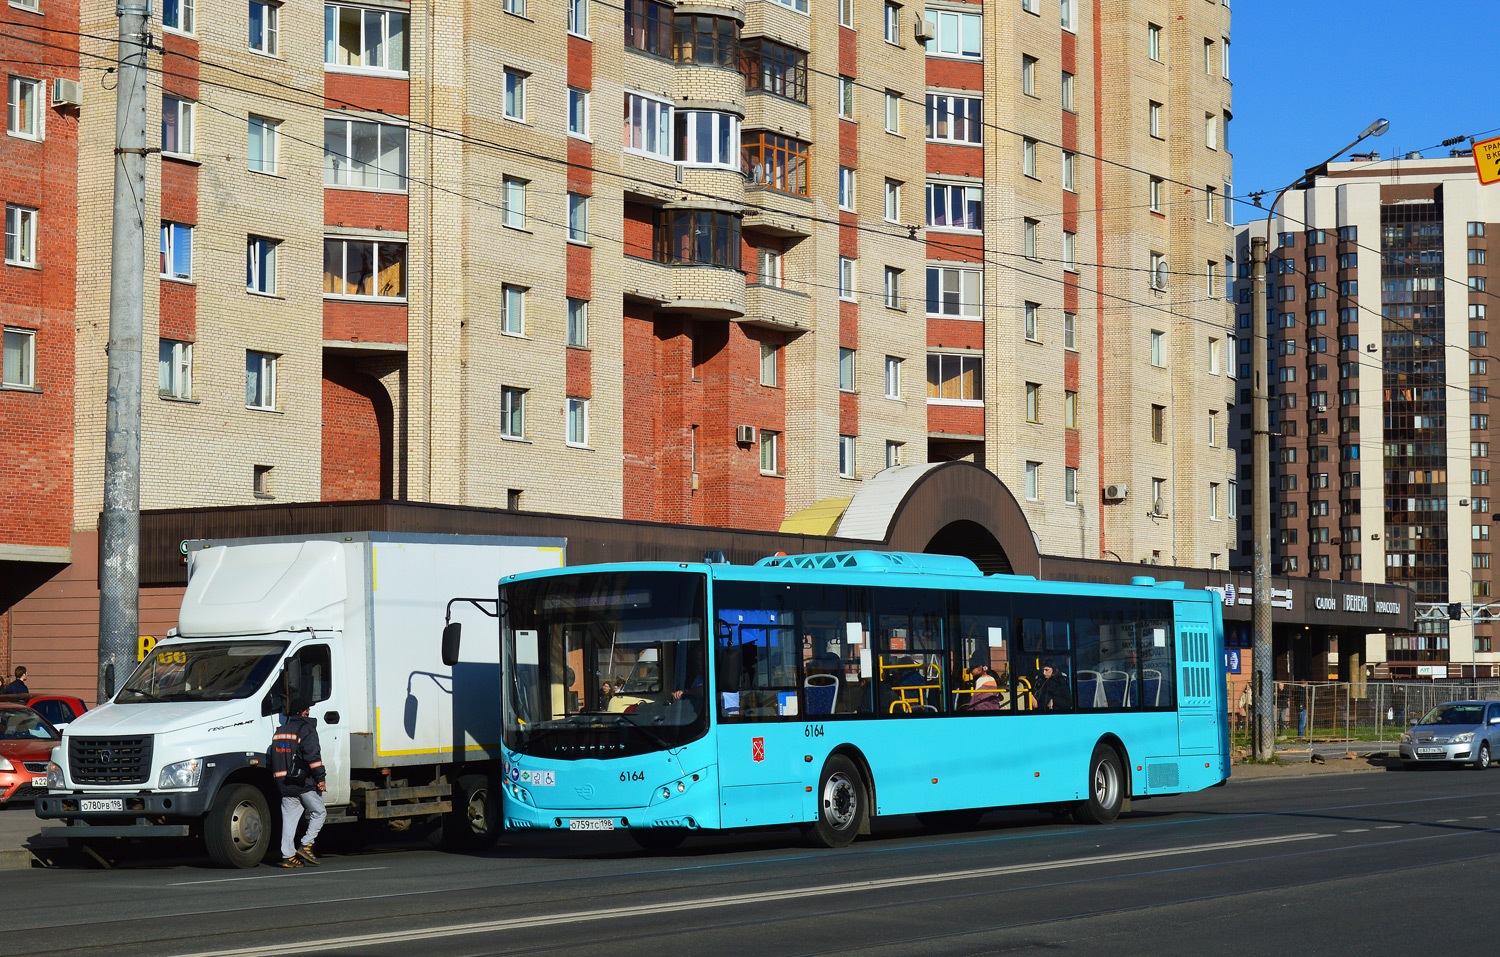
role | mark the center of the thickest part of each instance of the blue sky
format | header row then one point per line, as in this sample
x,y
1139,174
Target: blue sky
x,y
1309,77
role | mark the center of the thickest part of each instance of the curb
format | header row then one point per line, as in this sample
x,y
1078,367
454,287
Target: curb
x,y
15,858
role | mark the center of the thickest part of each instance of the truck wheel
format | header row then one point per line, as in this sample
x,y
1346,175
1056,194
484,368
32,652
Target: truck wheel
x,y
659,840
1106,785
843,804
237,830
474,823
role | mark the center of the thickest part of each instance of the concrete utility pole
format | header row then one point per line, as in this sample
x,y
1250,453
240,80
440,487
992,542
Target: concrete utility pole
x,y
120,523
1263,687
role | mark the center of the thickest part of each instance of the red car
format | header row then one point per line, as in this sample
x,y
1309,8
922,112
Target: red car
x,y
58,709
26,743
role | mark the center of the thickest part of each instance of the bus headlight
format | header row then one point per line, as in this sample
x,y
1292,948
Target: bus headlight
x,y
183,774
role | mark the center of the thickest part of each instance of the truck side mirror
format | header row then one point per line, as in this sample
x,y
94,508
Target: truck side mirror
x,y
451,632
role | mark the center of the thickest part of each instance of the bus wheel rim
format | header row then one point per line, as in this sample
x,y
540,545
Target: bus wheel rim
x,y
1105,784
840,803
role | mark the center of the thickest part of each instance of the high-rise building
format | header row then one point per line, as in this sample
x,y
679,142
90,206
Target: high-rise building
x,y
1379,371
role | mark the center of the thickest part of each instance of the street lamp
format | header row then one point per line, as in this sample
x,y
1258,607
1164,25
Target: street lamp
x,y
1264,738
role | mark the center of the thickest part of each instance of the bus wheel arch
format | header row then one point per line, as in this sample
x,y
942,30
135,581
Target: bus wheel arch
x,y
863,766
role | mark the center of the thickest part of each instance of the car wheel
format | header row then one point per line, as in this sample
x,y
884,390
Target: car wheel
x,y
1106,786
843,804
237,830
1482,761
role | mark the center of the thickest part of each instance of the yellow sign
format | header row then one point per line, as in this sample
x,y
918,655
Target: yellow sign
x,y
1487,161
144,645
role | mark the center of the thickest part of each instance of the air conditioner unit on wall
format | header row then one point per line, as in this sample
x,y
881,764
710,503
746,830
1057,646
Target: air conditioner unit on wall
x,y
744,434
66,93
923,31
1115,493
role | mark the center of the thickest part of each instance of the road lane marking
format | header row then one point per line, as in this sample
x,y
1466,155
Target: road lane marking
x,y
272,877
1356,830
734,900
1389,827
1449,820
1478,817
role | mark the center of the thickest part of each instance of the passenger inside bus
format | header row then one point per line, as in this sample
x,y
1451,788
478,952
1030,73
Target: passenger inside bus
x,y
1052,694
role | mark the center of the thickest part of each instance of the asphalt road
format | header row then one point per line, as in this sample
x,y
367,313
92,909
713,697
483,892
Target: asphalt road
x,y
1375,862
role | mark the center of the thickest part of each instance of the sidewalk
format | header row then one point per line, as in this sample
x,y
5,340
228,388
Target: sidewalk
x,y
1294,758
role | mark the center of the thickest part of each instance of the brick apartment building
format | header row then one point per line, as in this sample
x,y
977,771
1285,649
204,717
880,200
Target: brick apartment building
x,y
1377,305
687,264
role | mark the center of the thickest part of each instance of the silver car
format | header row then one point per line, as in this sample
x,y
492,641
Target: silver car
x,y
1459,732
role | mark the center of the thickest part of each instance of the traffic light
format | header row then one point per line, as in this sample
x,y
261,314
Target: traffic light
x,y
1455,611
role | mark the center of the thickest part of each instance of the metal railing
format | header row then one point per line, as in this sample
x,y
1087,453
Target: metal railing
x,y
1344,711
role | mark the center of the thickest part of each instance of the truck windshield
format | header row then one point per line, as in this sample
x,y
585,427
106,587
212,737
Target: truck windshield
x,y
604,664
202,671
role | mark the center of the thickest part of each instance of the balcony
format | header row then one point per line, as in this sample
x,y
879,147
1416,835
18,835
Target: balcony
x,y
776,213
709,292
771,307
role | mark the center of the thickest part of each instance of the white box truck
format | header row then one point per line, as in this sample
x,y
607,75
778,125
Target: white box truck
x,y
353,622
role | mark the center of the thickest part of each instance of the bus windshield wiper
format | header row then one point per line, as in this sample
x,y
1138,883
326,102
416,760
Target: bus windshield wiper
x,y
658,739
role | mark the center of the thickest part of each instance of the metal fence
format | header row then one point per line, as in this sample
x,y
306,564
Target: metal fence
x,y
1368,711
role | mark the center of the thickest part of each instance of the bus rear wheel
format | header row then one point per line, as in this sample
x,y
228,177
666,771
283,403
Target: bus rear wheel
x,y
843,804
1106,787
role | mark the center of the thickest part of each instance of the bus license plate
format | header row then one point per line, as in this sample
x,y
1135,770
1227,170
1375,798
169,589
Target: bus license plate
x,y
592,824
1431,750
102,804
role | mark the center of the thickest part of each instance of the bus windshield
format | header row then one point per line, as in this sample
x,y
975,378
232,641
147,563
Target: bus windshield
x,y
604,664
202,671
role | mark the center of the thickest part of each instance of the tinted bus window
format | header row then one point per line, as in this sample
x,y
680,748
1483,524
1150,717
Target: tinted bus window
x,y
981,637
1044,672
908,649
1158,666
833,650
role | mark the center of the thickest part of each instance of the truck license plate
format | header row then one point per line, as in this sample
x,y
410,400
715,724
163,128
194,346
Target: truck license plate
x,y
1431,750
102,804
592,824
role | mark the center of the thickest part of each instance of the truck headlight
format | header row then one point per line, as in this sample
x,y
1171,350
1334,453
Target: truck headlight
x,y
183,774
1464,738
54,776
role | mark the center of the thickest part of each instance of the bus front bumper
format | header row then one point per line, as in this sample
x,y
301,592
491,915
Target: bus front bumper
x,y
687,802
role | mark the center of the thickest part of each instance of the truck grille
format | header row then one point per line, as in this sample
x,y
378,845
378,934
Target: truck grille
x,y
109,760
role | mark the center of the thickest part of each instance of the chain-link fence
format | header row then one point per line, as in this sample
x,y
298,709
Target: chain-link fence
x,y
1370,711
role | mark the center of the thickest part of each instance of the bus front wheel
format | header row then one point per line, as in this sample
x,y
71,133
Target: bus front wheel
x,y
1106,786
843,804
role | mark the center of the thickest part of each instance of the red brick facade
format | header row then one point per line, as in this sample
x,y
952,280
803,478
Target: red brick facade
x,y
357,435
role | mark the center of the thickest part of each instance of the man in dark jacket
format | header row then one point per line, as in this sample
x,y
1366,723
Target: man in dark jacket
x,y
19,685
1052,691
297,765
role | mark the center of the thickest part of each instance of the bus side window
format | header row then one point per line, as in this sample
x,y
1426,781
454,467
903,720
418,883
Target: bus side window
x,y
1106,675
908,650
981,635
759,651
1158,666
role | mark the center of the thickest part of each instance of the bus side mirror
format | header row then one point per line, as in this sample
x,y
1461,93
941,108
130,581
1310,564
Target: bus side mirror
x,y
451,632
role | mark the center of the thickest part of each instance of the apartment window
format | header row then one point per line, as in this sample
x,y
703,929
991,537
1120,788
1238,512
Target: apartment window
x,y
20,235
364,155
892,201
1475,230
356,267
648,27
700,237
893,452
1476,311
1213,428
512,412
846,370
776,162
892,112
1208,56
1234,503
846,278
264,133
177,15
1070,485
1069,248
513,202
362,38
513,310
1215,355
1032,6
846,456
955,379
174,369
23,114
1028,157
769,460
1070,15
706,40
1155,119
578,218
1029,229
18,364
578,322
1067,90
1210,131
176,251
846,97
260,265
768,353
1212,275
1070,331
260,380
1029,320
1159,496
954,34
578,112
1350,234
260,481
1158,423
1067,171
1033,402
774,68
1156,185
1158,276
1213,501
711,138
1028,75
1476,257
955,207
176,126
893,23
1153,41
846,13
264,22
578,422
952,292
768,267
954,119
892,377
515,95
893,288
578,17
1033,481
648,126
1210,196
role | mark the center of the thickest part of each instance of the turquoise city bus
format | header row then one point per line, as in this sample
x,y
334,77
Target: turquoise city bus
x,y
824,690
